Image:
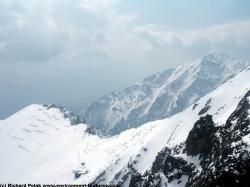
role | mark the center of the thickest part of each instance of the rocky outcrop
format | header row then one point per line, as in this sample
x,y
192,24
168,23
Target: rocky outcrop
x,y
200,138
74,118
222,152
228,162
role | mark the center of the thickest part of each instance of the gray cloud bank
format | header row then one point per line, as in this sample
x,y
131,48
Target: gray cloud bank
x,y
72,52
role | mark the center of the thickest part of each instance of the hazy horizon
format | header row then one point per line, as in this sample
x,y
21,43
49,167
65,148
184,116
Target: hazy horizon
x,y
72,52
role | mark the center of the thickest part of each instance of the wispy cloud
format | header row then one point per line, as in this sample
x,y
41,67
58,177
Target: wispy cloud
x,y
229,37
42,31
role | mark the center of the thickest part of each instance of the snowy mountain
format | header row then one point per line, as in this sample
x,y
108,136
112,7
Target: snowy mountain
x,y
39,143
162,95
208,139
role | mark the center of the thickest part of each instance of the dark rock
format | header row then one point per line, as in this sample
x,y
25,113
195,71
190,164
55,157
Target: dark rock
x,y
199,138
224,159
77,174
206,107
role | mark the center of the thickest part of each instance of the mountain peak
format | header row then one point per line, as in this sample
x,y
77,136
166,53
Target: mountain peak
x,y
49,111
216,58
163,94
67,114
184,149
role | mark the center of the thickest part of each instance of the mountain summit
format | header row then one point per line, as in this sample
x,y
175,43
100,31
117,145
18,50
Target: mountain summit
x,y
163,94
207,144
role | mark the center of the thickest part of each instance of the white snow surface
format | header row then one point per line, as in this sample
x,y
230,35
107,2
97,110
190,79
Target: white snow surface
x,y
40,146
162,95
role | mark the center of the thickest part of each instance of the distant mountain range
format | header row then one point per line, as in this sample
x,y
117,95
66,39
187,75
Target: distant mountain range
x,y
162,95
206,144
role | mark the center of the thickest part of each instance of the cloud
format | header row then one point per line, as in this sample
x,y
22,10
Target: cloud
x,y
232,38
94,30
96,5
74,51
40,31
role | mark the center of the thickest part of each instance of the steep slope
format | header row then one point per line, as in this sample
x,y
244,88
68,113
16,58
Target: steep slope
x,y
222,152
40,143
168,139
45,144
162,95
42,146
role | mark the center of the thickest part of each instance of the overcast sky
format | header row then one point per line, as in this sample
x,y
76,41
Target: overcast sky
x,y
71,52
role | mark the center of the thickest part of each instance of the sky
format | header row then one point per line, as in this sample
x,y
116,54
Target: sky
x,y
71,52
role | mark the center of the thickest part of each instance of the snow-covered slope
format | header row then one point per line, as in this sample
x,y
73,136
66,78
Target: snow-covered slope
x,y
162,95
212,154
173,131
39,143
42,146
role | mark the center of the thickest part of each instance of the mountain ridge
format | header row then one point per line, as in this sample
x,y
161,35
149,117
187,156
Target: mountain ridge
x,y
81,157
173,132
163,94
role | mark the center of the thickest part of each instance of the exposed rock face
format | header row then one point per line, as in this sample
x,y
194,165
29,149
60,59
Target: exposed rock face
x,y
166,168
206,108
228,162
222,152
199,140
162,95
